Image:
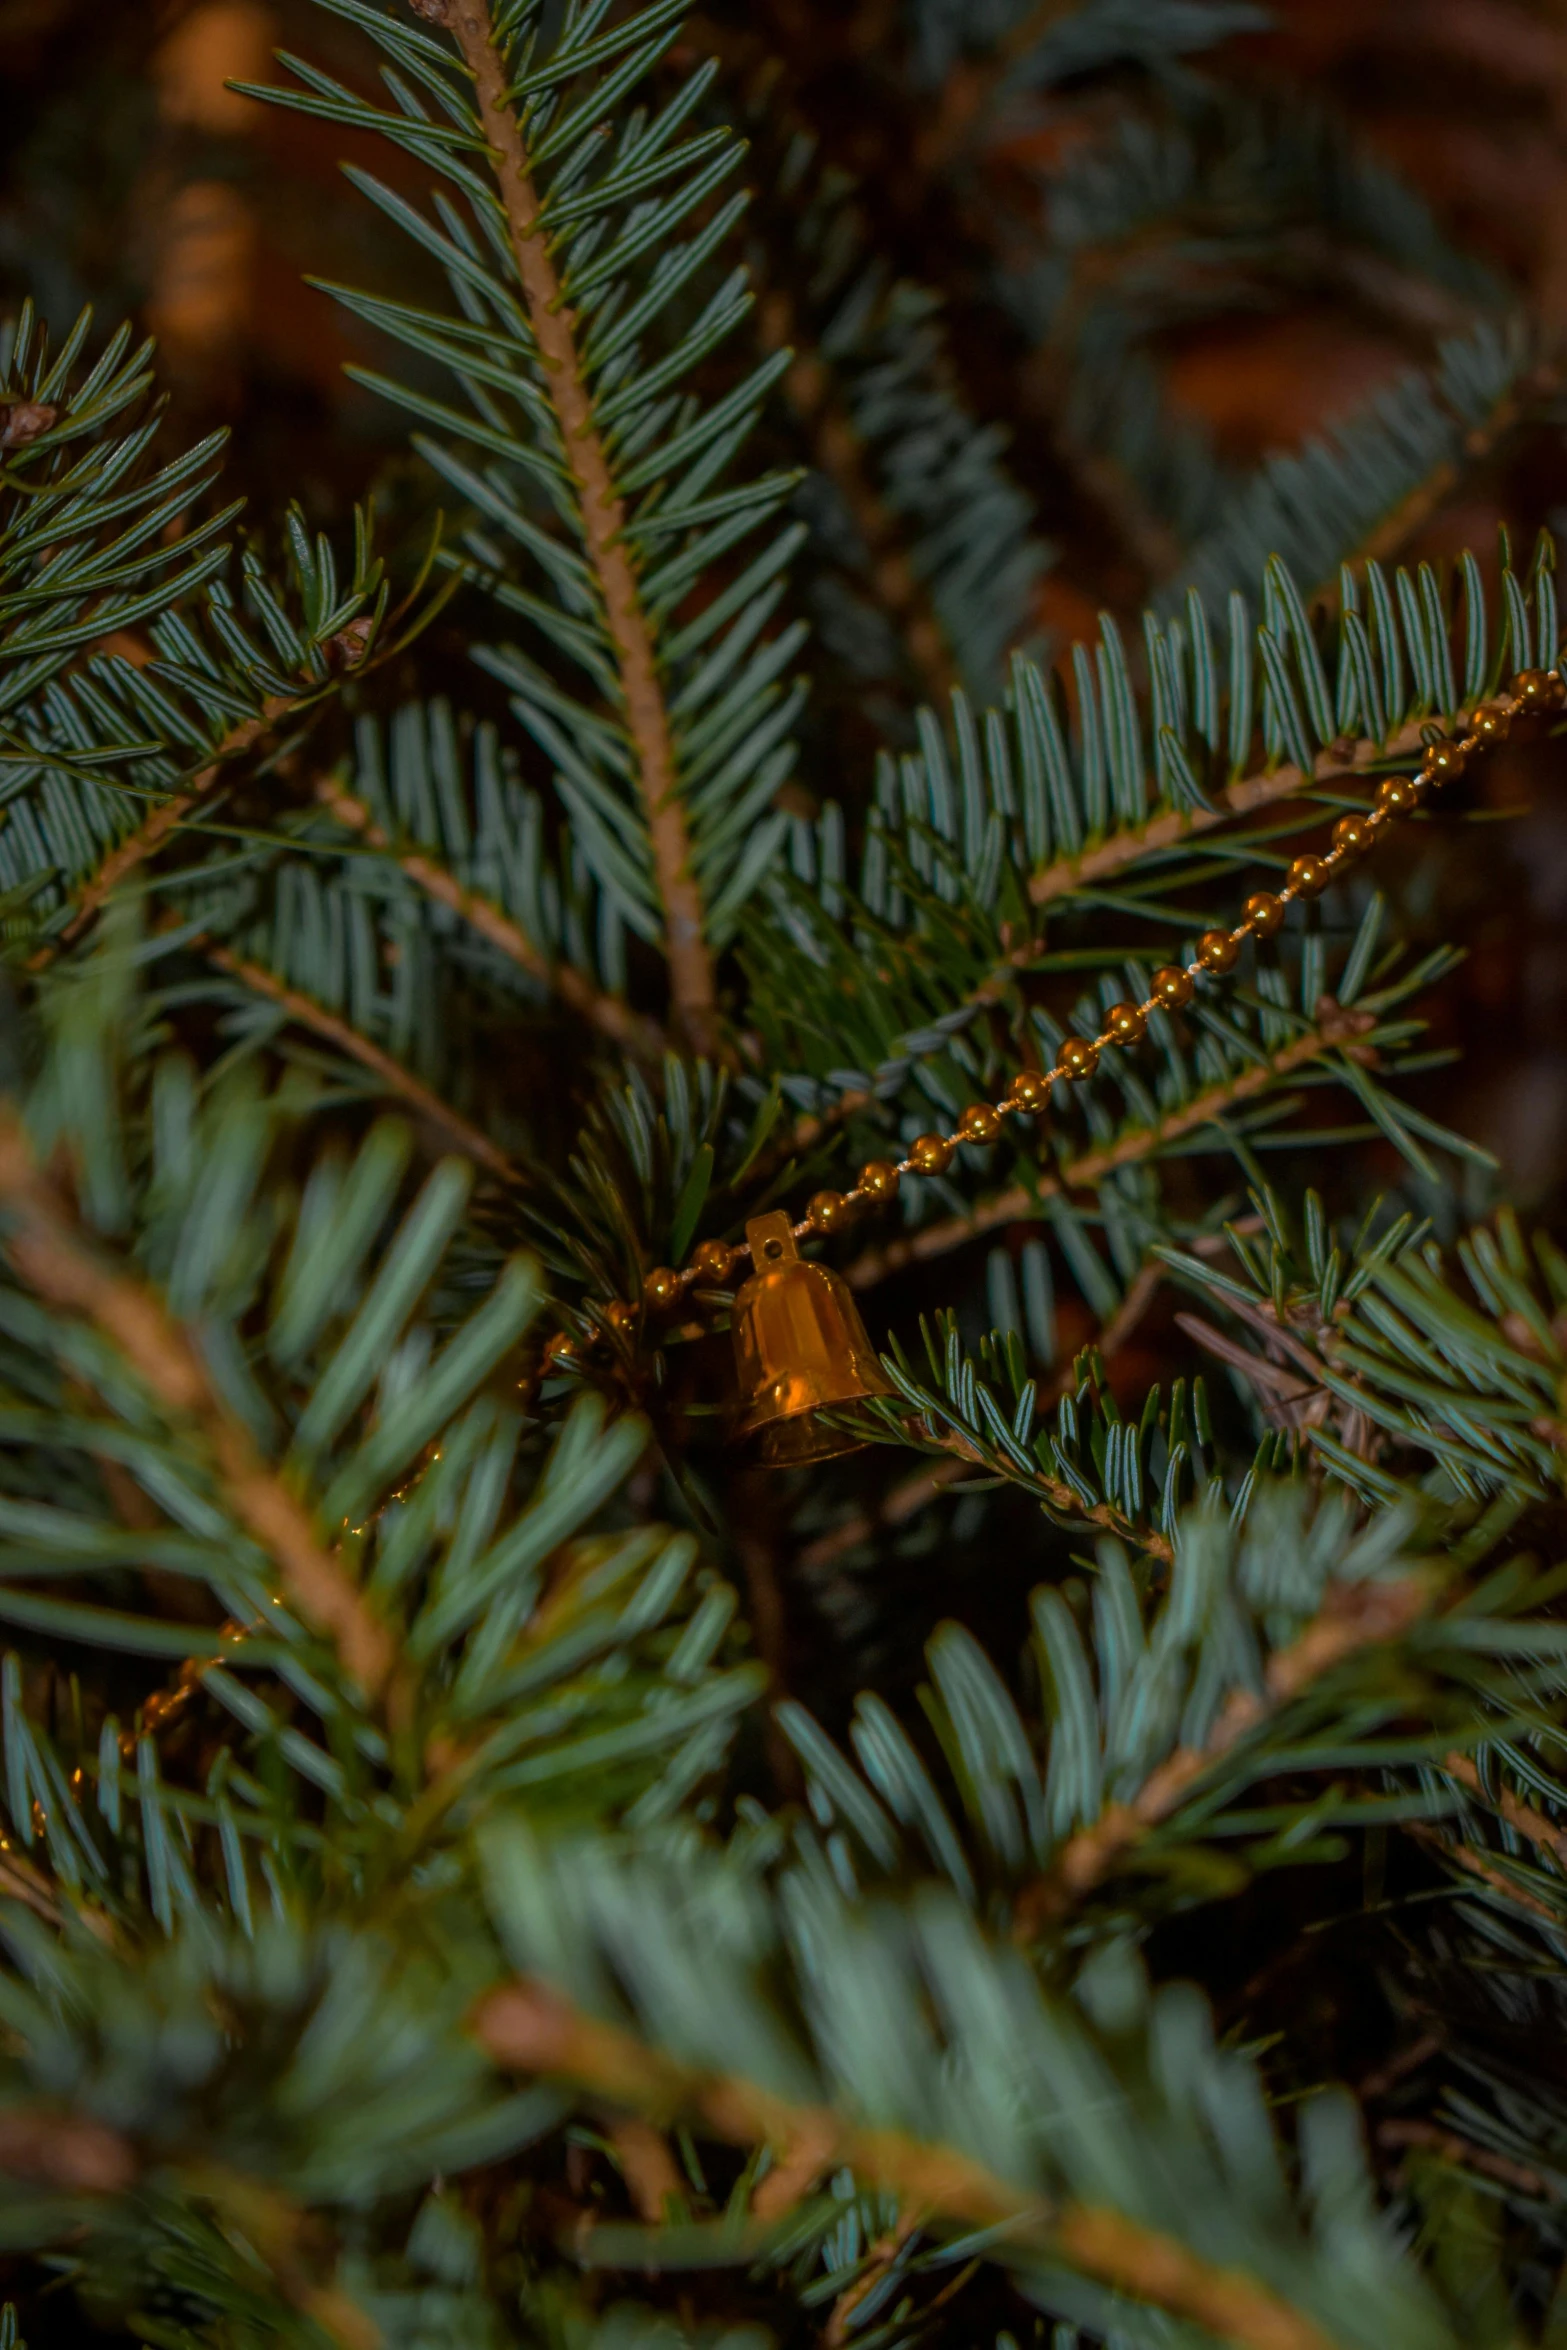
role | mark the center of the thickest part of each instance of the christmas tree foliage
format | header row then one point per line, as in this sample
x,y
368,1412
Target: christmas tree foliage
x,y
781,1508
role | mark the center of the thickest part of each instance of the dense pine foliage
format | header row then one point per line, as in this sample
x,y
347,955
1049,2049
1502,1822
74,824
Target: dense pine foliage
x,y
485,1858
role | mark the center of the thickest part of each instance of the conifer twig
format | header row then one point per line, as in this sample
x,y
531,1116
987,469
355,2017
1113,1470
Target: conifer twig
x,y
1341,762
839,454
1174,829
881,2257
1478,1864
1021,1200
633,1031
44,2147
304,1009
909,1496
165,819
692,986
1481,440
55,1260
526,2027
1518,1815
1431,2138
1352,1617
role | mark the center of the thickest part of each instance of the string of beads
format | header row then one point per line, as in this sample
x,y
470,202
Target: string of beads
x,y
714,1263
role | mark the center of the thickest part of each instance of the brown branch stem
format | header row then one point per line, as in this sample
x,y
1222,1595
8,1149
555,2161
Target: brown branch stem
x,y
839,453
1353,1616
691,978
629,1029
56,1261
1430,2137
910,1495
878,2260
165,819
1522,1816
308,1013
1021,1200
1175,826
527,2028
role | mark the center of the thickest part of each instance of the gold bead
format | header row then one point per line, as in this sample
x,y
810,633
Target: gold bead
x,y
661,1289
713,1263
1491,723
1539,689
1399,795
620,1317
1029,1091
878,1179
1444,761
1352,836
1077,1057
828,1211
562,1348
1264,913
1218,950
1171,986
1308,876
980,1123
1125,1023
931,1154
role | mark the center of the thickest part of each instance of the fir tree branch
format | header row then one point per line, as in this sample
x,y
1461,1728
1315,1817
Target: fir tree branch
x,y
527,2028
1431,2138
1480,1865
692,985
1126,846
1021,1200
164,820
881,2257
838,453
46,2147
1507,1806
613,1018
304,1009
1354,1616
1481,441
1054,1492
53,1258
910,1495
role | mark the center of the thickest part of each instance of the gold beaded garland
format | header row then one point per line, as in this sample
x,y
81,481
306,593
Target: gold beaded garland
x,y
1077,1057
661,1289
1397,795
1539,689
931,1154
1444,760
828,1211
1171,987
713,1261
1218,950
980,1123
1125,1023
1533,692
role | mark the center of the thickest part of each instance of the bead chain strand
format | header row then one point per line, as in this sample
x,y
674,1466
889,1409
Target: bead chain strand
x,y
713,1263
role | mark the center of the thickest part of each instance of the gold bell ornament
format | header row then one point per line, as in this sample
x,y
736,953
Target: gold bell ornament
x,y
800,1347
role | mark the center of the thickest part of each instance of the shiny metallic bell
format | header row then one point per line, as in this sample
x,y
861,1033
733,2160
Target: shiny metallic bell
x,y
800,1346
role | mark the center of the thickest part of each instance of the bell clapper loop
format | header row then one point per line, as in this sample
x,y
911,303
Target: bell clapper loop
x,y
800,1348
